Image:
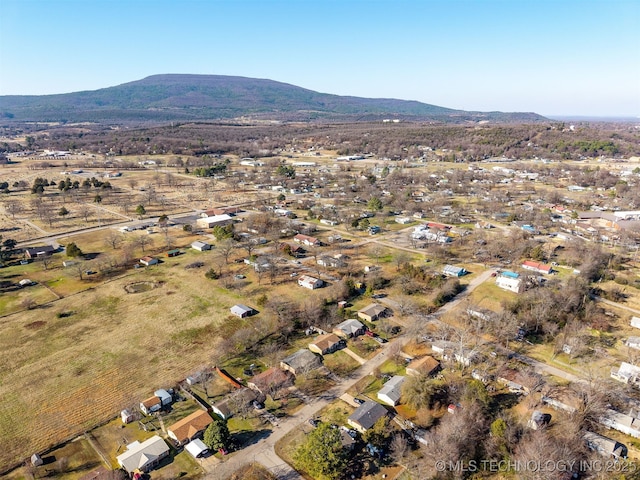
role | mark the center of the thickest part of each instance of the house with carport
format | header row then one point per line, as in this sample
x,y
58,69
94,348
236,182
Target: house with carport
x,y
190,427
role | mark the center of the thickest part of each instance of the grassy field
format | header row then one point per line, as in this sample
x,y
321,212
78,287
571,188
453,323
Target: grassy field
x,y
62,376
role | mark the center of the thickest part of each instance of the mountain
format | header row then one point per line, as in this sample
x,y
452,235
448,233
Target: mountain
x,y
162,98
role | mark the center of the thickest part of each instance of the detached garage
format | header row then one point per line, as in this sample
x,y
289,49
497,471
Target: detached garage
x,y
196,448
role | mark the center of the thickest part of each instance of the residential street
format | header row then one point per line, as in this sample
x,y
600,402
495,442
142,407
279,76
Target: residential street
x,y
263,452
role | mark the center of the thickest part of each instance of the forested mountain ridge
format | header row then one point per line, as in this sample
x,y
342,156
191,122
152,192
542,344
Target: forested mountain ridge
x,y
176,97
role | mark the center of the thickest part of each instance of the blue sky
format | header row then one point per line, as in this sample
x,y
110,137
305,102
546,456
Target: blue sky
x,y
553,57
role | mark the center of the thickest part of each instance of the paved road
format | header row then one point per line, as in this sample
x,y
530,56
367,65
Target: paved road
x,y
263,452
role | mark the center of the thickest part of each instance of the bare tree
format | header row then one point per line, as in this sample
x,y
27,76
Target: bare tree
x,y
85,211
13,207
143,240
226,247
113,239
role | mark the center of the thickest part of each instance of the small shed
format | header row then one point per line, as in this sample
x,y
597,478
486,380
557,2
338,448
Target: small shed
x,y
36,460
147,261
173,253
127,416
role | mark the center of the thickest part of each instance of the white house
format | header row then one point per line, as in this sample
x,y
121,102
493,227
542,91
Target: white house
x,y
310,282
508,283
605,446
143,456
622,422
635,322
633,342
626,373
391,391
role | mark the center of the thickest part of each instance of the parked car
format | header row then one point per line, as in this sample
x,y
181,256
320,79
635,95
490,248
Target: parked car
x,y
313,422
369,333
380,339
359,401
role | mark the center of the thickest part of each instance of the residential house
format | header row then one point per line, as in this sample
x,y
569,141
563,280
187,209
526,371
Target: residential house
x,y
633,342
309,282
330,262
143,456
349,328
391,391
635,322
567,402
235,402
605,446
270,381
200,246
148,261
453,271
325,344
242,311
190,427
511,284
302,361
293,250
622,422
196,448
214,221
372,312
627,373
43,251
366,415
403,220
510,378
537,267
306,240
150,405
426,365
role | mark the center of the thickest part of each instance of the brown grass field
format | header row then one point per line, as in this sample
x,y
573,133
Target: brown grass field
x,y
62,376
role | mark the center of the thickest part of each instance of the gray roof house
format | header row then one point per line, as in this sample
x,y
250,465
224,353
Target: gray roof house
x,y
349,328
605,446
143,456
622,422
302,361
391,391
366,415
